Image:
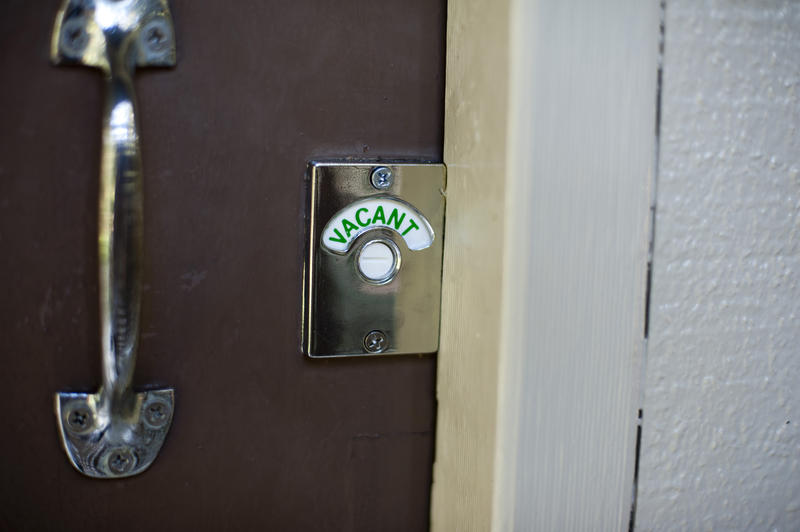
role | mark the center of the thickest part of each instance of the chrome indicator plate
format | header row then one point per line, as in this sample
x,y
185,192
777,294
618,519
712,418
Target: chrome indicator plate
x,y
344,312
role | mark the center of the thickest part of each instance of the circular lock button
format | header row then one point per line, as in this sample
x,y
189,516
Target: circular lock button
x,y
378,261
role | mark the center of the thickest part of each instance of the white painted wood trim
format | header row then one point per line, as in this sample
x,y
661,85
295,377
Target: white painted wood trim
x,y
549,141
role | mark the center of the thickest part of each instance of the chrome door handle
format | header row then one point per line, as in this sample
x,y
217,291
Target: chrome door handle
x,y
116,432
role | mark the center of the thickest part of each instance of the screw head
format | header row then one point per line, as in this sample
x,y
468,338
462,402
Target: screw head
x,y
120,460
157,36
74,38
376,342
79,419
382,178
156,414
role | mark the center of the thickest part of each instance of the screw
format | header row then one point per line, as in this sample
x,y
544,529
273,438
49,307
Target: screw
x,y
157,36
74,37
121,460
376,342
382,178
79,419
156,414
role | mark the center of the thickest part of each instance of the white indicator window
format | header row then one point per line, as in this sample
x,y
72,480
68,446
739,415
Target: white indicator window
x,y
377,261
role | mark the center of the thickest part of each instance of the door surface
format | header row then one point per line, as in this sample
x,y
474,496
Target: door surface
x,y
262,437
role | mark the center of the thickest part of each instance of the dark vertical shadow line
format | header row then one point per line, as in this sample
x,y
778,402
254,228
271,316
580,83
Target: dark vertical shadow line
x,y
651,248
632,522
649,282
443,67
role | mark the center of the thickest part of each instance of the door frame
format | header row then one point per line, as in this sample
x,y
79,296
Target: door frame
x,y
550,120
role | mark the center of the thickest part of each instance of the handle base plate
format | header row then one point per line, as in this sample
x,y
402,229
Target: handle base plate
x,y
100,445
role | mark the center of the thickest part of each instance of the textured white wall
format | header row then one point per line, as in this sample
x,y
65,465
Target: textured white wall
x,y
721,432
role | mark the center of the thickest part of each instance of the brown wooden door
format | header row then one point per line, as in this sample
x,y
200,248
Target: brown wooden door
x,y
262,438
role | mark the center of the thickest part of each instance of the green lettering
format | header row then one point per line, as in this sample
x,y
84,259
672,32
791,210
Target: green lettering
x,y
410,227
358,217
397,221
340,239
349,227
379,214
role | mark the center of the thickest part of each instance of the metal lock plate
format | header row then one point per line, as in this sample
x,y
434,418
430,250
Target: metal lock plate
x,y
373,267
